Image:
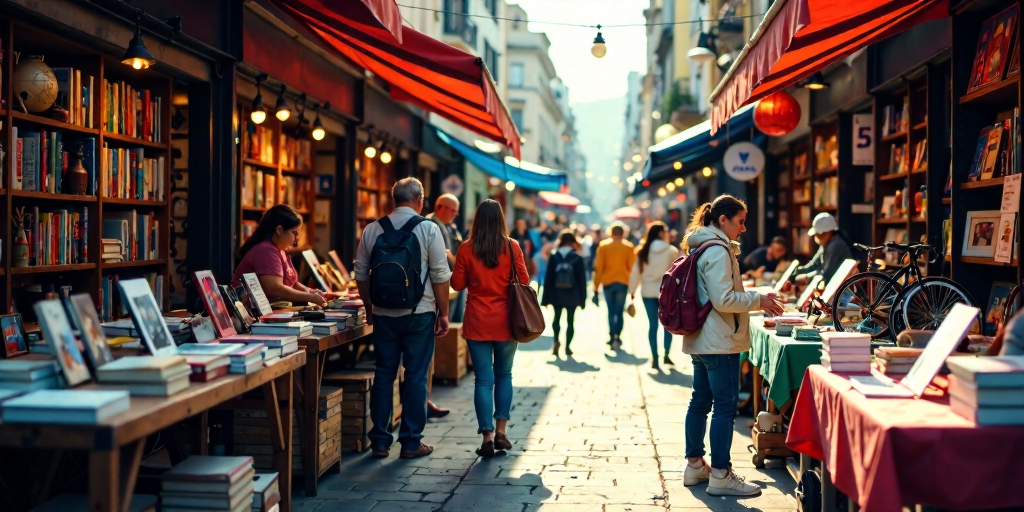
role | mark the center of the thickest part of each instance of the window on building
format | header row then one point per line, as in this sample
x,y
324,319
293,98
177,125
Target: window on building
x,y
516,74
491,6
517,118
491,59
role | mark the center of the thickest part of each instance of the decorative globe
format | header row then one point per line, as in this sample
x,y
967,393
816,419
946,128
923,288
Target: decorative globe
x,y
35,84
777,114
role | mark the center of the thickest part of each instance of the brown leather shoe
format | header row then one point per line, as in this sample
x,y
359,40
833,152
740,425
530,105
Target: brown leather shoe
x,y
486,449
422,451
501,442
434,411
381,454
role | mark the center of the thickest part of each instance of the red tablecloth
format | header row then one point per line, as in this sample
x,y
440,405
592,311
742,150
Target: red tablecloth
x,y
886,452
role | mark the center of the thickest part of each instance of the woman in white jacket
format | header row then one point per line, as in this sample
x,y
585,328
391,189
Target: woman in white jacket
x,y
715,348
654,257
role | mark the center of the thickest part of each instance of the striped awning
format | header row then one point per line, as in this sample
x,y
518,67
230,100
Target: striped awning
x,y
797,38
420,70
387,13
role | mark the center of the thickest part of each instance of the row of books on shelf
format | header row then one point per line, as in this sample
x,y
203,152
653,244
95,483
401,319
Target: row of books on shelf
x,y
801,241
901,161
42,158
996,56
132,112
130,175
249,227
293,153
997,153
74,93
58,237
263,190
826,192
826,152
896,118
138,234
113,305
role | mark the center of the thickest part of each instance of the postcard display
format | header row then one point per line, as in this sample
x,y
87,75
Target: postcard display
x,y
984,240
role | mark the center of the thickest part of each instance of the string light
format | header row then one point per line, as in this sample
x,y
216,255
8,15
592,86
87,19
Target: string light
x,y
581,25
259,113
628,166
708,172
281,110
510,186
680,182
599,49
670,186
637,157
677,165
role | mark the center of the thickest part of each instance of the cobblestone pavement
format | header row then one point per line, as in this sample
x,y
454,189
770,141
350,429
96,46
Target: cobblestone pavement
x,y
600,431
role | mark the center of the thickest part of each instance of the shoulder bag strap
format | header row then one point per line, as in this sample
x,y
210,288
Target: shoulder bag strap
x,y
514,274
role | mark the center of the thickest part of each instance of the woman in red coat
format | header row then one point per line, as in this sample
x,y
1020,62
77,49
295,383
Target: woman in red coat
x,y
484,267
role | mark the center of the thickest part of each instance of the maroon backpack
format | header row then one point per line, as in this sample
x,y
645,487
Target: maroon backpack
x,y
678,308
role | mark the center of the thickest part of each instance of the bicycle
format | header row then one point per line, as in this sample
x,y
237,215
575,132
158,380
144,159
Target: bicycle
x,y
883,304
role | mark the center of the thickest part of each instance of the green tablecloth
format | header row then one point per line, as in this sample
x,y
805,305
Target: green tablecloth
x,y
780,360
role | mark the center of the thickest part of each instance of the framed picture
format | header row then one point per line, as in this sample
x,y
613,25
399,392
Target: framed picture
x,y
256,296
324,184
1004,237
1004,27
322,211
980,56
58,334
994,309
345,276
83,314
980,233
15,343
138,298
215,307
314,268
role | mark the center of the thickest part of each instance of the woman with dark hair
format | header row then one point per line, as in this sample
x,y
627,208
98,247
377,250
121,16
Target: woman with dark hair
x,y
484,266
715,348
653,259
565,286
264,254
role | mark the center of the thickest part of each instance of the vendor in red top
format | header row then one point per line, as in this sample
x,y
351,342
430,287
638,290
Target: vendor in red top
x,y
484,267
264,255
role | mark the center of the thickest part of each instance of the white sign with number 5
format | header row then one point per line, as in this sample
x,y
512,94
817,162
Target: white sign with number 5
x,y
863,139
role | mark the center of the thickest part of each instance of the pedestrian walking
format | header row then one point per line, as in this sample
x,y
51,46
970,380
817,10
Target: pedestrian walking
x,y
715,348
406,313
653,259
484,267
565,287
612,266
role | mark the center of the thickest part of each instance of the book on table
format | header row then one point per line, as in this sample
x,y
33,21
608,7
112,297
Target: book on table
x,y
977,396
143,369
65,406
987,416
299,329
265,339
165,388
209,349
26,370
324,328
206,368
989,372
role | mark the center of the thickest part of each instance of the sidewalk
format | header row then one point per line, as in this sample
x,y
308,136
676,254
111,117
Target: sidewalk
x,y
597,432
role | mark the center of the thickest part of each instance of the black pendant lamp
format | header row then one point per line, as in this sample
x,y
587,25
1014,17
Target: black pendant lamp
x,y
137,56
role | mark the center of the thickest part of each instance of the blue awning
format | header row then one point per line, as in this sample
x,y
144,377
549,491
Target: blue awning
x,y
695,146
523,174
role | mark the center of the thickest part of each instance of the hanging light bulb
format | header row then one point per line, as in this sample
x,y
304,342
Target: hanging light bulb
x,y
680,182
259,113
677,165
704,51
318,128
385,155
137,56
599,49
371,150
510,186
281,110
815,82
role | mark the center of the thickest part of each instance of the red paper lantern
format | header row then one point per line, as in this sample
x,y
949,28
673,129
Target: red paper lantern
x,y
777,114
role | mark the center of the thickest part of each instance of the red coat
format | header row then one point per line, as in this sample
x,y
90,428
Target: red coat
x,y
486,317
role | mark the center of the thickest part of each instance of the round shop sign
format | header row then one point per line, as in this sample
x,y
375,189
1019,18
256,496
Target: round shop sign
x,y
452,185
743,161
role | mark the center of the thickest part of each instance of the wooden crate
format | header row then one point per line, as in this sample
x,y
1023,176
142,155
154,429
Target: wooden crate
x,y
251,434
768,444
355,406
450,354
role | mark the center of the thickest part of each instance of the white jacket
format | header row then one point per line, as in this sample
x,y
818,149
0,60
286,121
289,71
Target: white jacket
x,y
649,279
719,280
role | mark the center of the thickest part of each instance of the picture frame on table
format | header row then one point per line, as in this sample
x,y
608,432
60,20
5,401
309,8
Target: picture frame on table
x,y
217,310
1004,31
57,332
83,315
980,233
137,296
257,296
994,308
314,269
15,340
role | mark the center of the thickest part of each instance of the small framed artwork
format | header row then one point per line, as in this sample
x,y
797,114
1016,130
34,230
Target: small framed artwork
x,y
83,314
215,307
58,334
314,268
15,343
324,184
345,277
138,297
980,233
994,309
1003,31
1004,237
322,212
256,295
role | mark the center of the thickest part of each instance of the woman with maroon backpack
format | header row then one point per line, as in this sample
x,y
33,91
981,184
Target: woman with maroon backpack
x,y
715,347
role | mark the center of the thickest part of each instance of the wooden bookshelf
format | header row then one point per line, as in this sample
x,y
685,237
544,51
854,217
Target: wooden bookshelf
x,y
373,195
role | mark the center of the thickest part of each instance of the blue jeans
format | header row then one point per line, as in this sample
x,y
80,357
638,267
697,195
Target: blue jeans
x,y
407,340
715,383
651,306
492,365
615,296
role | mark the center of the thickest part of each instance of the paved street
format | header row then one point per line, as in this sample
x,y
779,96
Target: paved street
x,y
598,432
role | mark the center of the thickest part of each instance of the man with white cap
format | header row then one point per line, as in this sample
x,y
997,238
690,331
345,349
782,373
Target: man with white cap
x,y
833,249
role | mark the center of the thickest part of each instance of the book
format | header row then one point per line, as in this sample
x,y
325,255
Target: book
x,y
972,395
206,501
52,382
58,333
268,340
991,153
988,416
26,370
981,55
297,329
208,468
265,487
989,372
979,152
143,369
169,387
242,507
65,406
209,349
845,339
846,358
199,487
324,328
998,51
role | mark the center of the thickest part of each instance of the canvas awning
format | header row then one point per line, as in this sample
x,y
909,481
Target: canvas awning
x,y
420,70
696,147
558,199
523,174
797,38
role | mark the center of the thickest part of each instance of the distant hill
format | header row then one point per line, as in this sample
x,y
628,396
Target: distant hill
x,y
599,127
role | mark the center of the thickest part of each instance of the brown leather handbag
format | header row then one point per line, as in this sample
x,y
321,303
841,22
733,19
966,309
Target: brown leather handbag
x,y
525,319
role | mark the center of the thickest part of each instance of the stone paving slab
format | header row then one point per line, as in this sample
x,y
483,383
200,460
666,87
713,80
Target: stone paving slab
x,y
601,432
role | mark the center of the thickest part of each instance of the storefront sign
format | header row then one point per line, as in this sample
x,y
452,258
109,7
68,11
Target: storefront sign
x,y
863,140
453,185
743,161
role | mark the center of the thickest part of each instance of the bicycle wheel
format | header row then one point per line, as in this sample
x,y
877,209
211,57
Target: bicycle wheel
x,y
926,304
1011,305
863,304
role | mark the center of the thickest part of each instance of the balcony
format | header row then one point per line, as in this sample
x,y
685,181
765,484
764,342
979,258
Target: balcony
x,y
460,31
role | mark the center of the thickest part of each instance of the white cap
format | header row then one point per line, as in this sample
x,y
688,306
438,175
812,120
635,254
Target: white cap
x,y
823,223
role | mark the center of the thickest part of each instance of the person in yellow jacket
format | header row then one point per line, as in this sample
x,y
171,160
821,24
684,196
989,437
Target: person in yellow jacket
x,y
612,267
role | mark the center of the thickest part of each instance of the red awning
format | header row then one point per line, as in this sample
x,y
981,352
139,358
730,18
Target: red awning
x,y
558,199
423,71
800,37
386,12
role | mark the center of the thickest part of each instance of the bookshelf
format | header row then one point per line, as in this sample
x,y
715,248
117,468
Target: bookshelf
x,y
800,210
783,193
92,85
374,192
825,162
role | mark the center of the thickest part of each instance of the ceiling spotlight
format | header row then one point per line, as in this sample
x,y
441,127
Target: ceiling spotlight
x,y
677,165
318,128
599,49
137,56
704,51
385,155
708,172
259,113
281,110
371,150
510,186
815,82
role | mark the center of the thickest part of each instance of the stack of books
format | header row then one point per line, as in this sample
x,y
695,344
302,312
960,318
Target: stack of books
x,y
325,328
180,331
344,320
299,329
111,250
266,493
353,307
147,375
987,390
208,483
208,367
896,360
65,406
846,352
27,375
244,358
276,346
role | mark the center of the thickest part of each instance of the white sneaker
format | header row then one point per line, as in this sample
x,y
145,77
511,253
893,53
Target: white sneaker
x,y
731,485
694,476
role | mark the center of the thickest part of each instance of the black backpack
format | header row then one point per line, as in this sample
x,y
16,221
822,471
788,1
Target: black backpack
x,y
395,266
564,273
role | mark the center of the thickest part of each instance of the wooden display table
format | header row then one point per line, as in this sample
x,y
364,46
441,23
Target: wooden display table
x,y
312,375
115,445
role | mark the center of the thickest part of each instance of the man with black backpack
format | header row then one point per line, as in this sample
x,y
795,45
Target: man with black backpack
x,y
398,256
